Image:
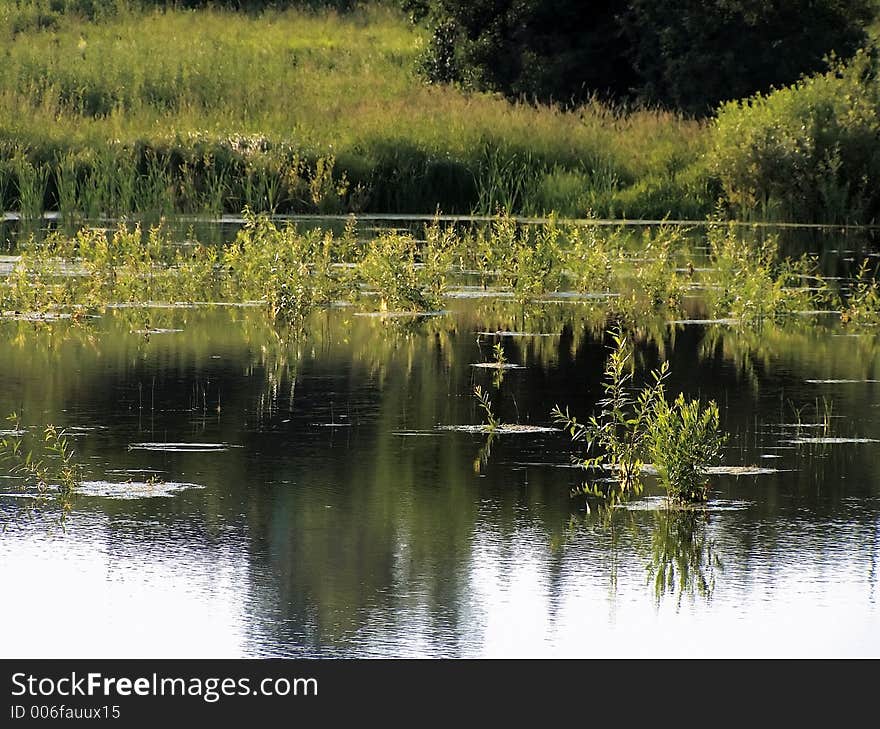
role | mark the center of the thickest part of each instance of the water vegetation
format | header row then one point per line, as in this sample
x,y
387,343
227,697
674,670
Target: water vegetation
x,y
47,467
750,280
682,438
632,276
863,303
484,401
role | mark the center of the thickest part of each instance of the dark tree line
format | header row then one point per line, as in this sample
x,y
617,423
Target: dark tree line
x,y
684,54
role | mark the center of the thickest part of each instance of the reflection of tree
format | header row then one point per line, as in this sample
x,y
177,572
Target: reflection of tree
x,y
802,345
683,557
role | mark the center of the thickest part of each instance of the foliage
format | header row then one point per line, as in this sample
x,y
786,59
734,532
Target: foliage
x,y
590,258
657,278
682,439
619,433
485,403
547,50
752,283
208,111
693,54
533,257
807,152
406,275
292,271
862,306
48,468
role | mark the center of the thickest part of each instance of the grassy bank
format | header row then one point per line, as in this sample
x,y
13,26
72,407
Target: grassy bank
x,y
209,111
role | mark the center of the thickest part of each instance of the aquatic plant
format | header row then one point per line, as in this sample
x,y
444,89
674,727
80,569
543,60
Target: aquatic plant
x,y
48,468
404,275
485,403
752,283
681,438
862,305
499,360
293,272
657,278
590,258
498,357
618,434
530,259
683,441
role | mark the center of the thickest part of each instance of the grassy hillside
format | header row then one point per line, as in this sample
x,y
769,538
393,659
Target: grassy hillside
x,y
295,111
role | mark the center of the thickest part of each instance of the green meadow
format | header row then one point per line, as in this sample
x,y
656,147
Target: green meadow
x,y
296,111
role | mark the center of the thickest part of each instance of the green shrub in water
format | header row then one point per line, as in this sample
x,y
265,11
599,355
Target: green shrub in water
x,y
618,433
682,439
751,282
405,274
292,271
863,303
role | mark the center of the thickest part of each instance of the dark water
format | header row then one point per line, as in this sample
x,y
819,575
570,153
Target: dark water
x,y
330,516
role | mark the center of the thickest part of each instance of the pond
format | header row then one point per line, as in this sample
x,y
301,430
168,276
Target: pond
x,y
247,493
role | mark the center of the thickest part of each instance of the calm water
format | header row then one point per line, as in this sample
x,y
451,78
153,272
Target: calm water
x,y
314,504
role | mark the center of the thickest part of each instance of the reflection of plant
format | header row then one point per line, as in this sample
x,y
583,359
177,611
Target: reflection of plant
x,y
484,453
47,467
683,558
823,415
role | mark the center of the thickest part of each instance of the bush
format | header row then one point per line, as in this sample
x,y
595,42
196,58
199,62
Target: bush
x,y
683,441
808,152
753,283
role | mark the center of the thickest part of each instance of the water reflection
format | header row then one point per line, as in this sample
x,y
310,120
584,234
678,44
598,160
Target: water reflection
x,y
684,560
385,535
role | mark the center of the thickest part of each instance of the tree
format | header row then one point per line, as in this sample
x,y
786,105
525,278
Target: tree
x,y
685,54
545,50
693,54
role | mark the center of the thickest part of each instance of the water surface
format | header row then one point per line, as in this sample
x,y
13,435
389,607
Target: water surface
x,y
310,497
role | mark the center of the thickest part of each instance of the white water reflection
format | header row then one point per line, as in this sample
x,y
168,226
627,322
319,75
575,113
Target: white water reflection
x,y
90,593
128,589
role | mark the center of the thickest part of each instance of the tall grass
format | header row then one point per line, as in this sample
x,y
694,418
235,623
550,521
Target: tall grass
x,y
290,111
